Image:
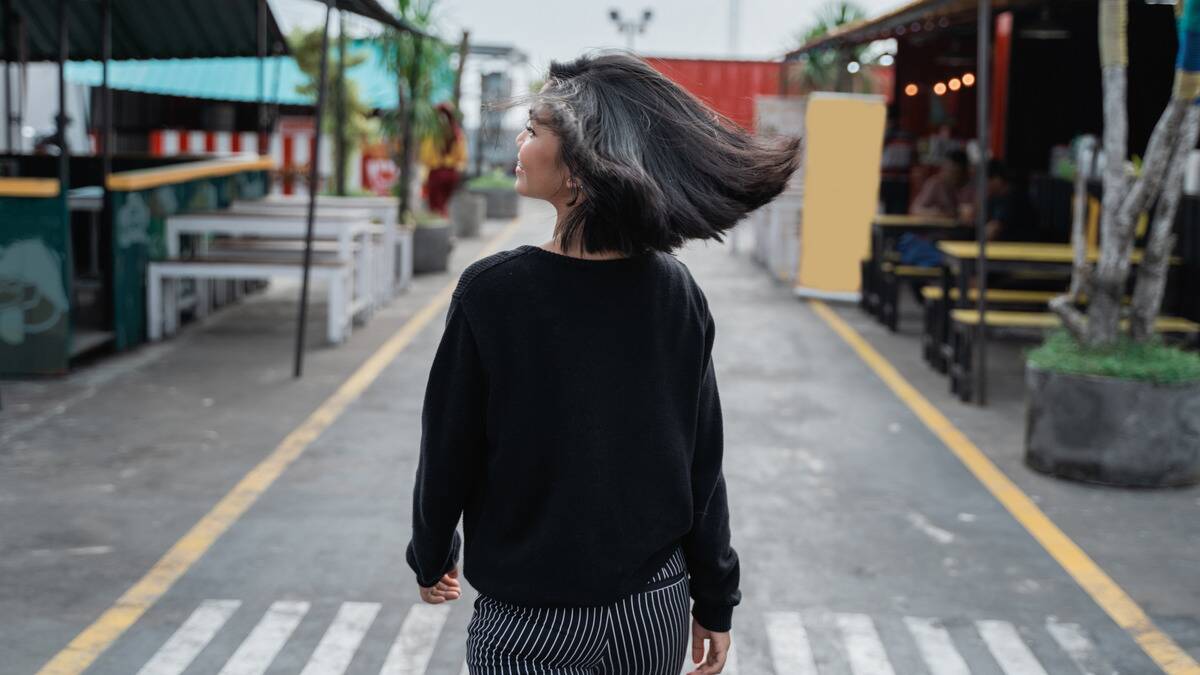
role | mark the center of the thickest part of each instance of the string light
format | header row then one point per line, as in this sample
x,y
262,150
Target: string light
x,y
968,79
955,84
912,90
939,88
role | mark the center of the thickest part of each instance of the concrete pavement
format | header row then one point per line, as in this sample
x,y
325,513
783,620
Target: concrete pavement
x,y
866,546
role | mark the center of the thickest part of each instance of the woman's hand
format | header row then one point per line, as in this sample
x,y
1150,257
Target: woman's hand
x,y
718,650
446,589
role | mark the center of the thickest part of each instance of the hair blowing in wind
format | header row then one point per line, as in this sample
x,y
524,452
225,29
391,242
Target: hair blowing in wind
x,y
656,166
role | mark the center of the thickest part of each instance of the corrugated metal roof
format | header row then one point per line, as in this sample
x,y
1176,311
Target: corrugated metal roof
x,y
147,29
236,78
913,14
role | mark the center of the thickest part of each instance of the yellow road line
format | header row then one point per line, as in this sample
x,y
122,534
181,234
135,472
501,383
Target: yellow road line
x,y
104,631
1170,657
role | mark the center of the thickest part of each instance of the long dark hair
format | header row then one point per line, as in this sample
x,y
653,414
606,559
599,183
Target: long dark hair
x,y
656,165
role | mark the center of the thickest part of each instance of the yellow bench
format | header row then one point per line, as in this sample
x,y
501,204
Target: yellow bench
x,y
966,327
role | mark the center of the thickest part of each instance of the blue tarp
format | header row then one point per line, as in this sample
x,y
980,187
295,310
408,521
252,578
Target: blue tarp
x,y
236,78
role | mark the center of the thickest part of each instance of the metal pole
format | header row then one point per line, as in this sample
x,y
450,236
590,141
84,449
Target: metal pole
x,y
982,89
106,134
261,110
410,112
313,177
61,120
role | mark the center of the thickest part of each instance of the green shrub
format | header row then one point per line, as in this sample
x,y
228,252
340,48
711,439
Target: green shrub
x,y
495,180
422,218
1150,361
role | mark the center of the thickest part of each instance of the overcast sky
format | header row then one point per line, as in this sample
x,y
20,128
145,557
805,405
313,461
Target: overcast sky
x,y
563,29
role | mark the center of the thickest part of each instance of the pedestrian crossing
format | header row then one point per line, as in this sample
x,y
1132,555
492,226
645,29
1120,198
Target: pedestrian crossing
x,y
796,643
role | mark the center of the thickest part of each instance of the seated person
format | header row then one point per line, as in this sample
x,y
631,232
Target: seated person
x,y
1007,213
939,196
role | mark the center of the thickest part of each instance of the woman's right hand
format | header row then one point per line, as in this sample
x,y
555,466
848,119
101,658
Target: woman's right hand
x,y
718,650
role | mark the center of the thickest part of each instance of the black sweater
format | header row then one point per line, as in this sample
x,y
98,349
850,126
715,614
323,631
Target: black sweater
x,y
572,418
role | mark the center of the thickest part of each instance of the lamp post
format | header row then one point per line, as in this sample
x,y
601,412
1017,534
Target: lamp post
x,y
630,27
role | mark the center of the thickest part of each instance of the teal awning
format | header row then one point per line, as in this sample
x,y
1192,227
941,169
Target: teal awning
x,y
236,78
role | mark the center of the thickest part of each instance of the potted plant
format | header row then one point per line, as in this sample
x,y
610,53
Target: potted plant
x,y
1108,402
468,211
498,189
433,239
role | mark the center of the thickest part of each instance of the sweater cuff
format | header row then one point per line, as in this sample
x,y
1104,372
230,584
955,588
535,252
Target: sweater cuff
x,y
717,618
451,561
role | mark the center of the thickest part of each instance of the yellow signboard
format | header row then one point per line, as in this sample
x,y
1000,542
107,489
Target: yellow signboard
x,y
843,149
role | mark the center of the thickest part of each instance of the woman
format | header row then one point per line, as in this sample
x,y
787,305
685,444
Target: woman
x,y
572,414
444,157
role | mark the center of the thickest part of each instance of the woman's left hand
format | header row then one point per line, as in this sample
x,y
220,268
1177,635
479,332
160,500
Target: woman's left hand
x,y
444,590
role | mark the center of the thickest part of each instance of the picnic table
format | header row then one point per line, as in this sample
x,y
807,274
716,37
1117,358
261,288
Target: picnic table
x,y
885,230
959,262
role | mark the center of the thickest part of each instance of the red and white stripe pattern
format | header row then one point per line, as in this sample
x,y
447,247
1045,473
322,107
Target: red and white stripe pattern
x,y
291,149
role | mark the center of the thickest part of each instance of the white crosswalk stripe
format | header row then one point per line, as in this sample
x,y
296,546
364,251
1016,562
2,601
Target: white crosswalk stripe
x,y
255,655
790,650
936,647
863,646
339,643
411,651
182,647
793,641
1010,651
1074,641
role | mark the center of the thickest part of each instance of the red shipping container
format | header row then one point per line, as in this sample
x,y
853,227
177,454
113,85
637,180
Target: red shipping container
x,y
729,87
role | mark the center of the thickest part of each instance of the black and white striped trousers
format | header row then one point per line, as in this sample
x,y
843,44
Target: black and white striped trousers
x,y
645,633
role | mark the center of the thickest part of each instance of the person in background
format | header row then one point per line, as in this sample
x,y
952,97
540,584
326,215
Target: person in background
x,y
444,157
1007,217
941,193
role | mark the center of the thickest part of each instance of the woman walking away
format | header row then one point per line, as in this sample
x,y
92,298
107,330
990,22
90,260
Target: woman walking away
x,y
571,414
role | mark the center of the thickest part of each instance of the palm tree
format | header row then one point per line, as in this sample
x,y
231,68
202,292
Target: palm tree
x,y
825,69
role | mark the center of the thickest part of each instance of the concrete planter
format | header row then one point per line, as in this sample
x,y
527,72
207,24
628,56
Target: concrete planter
x,y
501,202
468,211
431,247
1112,431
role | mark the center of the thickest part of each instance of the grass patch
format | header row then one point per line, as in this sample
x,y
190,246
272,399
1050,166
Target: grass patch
x,y
1150,361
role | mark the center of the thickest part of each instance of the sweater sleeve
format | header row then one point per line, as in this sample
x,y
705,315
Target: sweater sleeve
x,y
452,449
712,561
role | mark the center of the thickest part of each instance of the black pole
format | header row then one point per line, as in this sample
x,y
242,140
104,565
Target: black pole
x,y
313,176
106,135
982,91
260,127
61,121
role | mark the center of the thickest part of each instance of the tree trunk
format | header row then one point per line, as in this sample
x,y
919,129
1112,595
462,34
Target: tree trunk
x,y
1107,285
339,112
1064,305
1152,274
406,165
464,48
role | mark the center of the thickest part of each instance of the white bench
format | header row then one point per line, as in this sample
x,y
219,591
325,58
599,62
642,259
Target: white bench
x,y
383,210
162,304
350,229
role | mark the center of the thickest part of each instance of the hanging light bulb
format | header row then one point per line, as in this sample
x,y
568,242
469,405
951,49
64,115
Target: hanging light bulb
x,y
852,67
912,90
969,79
887,60
939,88
955,84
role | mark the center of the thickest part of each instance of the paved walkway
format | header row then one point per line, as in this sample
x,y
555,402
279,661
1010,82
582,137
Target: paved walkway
x,y
866,545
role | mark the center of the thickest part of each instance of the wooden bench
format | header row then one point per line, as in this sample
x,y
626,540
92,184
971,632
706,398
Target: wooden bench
x,y
891,275
162,306
966,328
935,335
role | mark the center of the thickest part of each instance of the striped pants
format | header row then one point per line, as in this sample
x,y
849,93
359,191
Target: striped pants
x,y
645,633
